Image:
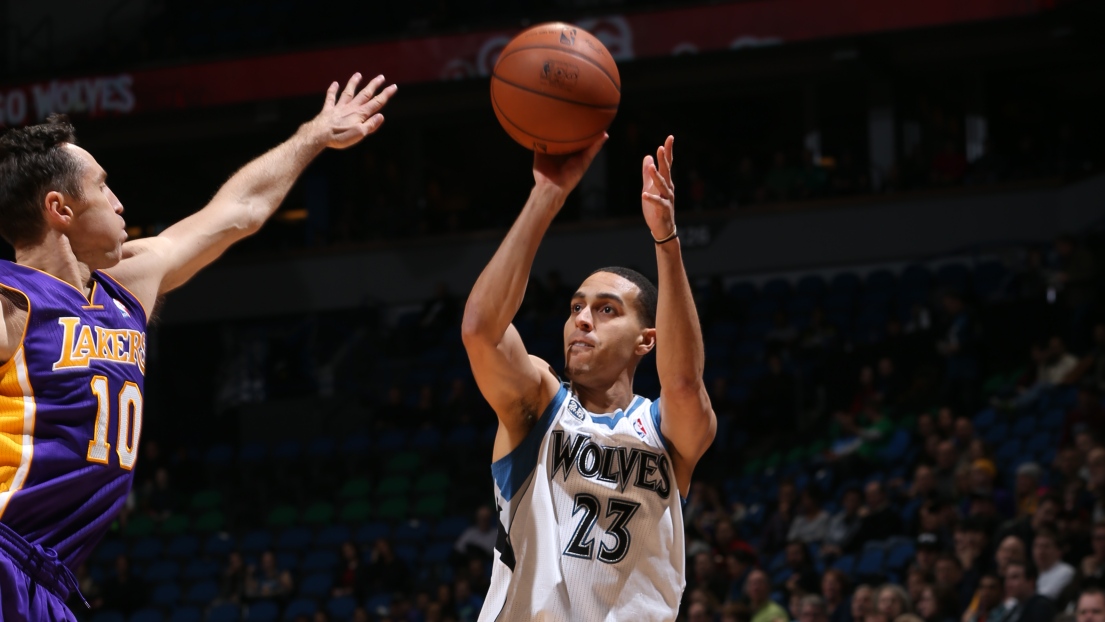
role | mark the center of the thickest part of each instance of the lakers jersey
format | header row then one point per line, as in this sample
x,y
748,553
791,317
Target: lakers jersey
x,y
70,410
591,523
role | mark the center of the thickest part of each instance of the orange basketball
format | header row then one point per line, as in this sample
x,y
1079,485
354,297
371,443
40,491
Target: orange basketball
x,y
555,88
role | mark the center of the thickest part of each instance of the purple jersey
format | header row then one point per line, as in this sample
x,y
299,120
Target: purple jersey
x,y
70,410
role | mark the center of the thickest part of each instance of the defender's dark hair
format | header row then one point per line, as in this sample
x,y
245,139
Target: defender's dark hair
x,y
646,295
33,163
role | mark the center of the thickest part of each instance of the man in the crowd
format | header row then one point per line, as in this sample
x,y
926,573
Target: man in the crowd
x,y
1022,603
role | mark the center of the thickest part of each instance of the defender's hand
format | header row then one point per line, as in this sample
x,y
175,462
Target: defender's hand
x,y
563,172
658,192
347,118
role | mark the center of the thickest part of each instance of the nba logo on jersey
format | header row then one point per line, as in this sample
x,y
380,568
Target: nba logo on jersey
x,y
576,410
122,309
639,427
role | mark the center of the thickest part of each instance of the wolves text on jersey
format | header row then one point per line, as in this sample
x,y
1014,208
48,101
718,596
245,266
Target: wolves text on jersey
x,y
82,344
616,465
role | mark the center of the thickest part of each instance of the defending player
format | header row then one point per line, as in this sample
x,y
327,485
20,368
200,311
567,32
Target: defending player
x,y
589,476
73,313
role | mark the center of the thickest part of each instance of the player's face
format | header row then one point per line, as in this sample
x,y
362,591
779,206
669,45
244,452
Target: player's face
x,y
604,333
96,230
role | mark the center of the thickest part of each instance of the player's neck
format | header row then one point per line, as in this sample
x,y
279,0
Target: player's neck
x,y
605,399
55,257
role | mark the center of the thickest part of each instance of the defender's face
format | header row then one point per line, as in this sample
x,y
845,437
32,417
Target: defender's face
x,y
603,332
96,231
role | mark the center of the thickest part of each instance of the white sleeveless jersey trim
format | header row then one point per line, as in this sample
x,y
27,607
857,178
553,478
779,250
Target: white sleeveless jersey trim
x,y
591,523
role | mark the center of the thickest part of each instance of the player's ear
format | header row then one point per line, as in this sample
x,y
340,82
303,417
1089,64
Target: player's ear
x,y
57,210
646,341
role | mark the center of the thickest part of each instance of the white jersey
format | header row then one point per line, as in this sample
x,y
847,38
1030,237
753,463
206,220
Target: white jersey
x,y
591,523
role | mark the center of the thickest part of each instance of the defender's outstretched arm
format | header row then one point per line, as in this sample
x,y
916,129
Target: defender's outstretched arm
x,y
153,266
516,385
687,418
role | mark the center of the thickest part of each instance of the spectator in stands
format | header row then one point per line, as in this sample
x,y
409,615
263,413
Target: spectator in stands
x,y
467,604
1088,414
803,577
1010,550
983,473
812,608
160,497
705,575
758,590
124,592
892,601
1023,604
937,604
232,580
811,523
1028,485
777,525
949,577
738,564
699,612
268,581
928,551
1093,565
1053,365
1091,605
479,539
971,549
987,598
947,463
958,347
834,591
386,572
880,520
1095,480
350,578
1055,575
862,603
844,525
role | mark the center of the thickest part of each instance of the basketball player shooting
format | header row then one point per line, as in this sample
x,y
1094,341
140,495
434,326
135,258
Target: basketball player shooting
x,y
589,476
73,314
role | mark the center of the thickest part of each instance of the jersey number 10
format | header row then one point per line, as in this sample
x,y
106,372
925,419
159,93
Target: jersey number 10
x,y
130,423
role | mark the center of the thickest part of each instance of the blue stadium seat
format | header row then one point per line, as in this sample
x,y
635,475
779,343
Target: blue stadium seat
x,y
333,536
184,547
810,285
186,614
437,553
845,564
1053,419
984,419
319,561
219,544
899,555
461,436
108,550
295,539
996,434
202,593
407,553
870,562
342,607
287,560
263,611
299,607
371,532
316,585
322,447
289,449
1009,451
165,595
780,576
916,278
412,531
162,571
200,570
257,541
146,549
777,288
147,615
451,527
953,276
219,454
226,612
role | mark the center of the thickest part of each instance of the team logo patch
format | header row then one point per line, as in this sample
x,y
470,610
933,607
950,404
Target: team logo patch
x,y
576,410
639,428
122,309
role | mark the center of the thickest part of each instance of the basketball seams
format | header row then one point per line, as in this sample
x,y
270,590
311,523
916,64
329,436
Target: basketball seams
x,y
499,110
615,81
550,96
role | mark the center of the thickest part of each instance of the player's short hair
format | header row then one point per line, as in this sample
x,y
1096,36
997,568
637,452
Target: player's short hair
x,y
646,292
33,163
